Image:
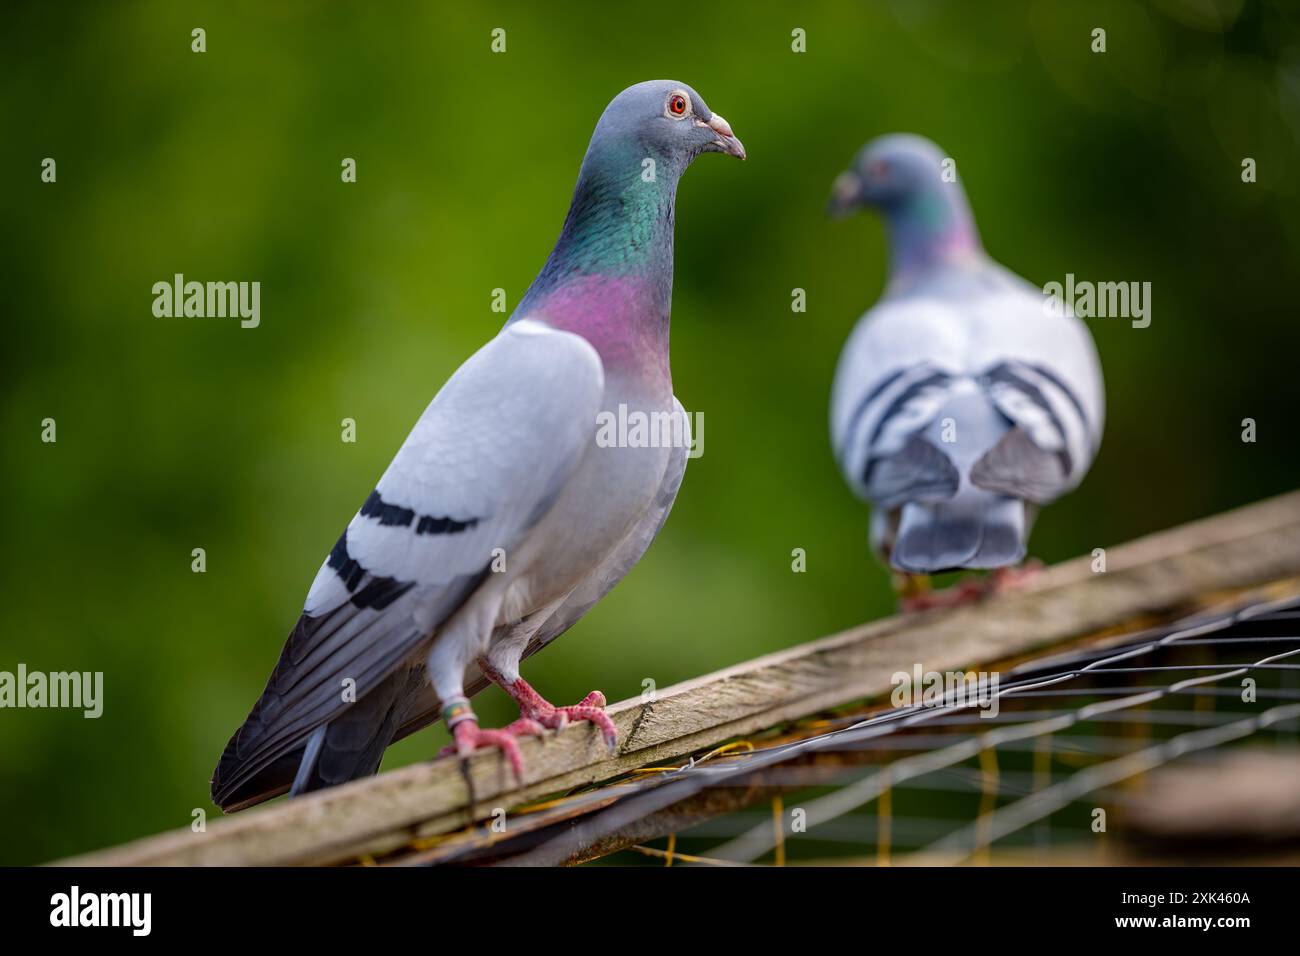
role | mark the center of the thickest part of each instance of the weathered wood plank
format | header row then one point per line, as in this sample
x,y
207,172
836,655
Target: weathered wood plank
x,y
1250,546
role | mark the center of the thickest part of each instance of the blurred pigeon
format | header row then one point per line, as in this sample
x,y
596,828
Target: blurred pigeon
x,y
504,517
964,399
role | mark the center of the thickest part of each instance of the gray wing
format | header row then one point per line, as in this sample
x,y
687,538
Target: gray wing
x,y
909,359
482,465
1016,466
423,707
919,471
895,373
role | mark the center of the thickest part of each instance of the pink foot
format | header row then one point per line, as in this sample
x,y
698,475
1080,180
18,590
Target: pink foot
x,y
591,708
1009,579
963,592
534,707
974,590
470,737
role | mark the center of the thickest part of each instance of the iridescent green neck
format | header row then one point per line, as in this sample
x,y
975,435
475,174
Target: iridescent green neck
x,y
620,224
930,226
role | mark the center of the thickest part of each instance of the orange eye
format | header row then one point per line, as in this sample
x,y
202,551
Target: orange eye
x,y
677,104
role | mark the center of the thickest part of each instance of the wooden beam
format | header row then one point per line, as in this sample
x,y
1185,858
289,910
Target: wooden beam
x,y
1154,575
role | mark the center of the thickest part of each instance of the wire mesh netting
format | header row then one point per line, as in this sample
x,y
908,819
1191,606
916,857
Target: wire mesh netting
x,y
1045,759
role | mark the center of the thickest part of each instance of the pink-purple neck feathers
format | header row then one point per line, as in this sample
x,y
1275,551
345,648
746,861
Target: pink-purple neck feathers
x,y
619,316
610,276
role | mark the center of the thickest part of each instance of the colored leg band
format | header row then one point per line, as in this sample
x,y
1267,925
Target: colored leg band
x,y
456,711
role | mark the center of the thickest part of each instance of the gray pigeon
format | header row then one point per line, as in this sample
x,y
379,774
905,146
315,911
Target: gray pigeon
x,y
964,400
504,516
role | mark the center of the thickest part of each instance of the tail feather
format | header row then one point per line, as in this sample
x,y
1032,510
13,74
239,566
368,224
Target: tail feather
x,y
353,743
974,529
349,746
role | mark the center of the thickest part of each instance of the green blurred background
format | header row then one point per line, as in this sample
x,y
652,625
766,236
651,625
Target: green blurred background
x,y
182,433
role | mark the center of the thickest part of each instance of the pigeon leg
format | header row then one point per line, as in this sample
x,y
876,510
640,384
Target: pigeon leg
x,y
469,736
534,707
915,593
447,662
1001,580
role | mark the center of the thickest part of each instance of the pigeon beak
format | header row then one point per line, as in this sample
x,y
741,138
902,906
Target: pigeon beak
x,y
726,141
846,194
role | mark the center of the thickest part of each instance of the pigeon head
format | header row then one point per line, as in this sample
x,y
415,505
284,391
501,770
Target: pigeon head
x,y
912,183
663,120
612,267
888,173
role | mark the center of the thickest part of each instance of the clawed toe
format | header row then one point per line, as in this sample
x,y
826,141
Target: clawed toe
x,y
537,711
589,710
471,737
525,727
